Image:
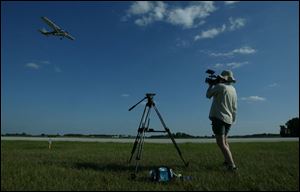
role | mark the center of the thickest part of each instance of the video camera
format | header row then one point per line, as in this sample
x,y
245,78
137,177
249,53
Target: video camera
x,y
212,79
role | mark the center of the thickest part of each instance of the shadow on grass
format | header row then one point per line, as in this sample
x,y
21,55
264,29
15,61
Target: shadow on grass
x,y
103,167
115,166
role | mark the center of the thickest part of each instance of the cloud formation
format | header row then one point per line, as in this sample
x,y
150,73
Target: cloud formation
x,y
41,64
232,65
236,23
182,43
211,33
32,65
245,50
125,95
147,12
189,16
253,98
193,15
230,2
140,7
273,85
233,25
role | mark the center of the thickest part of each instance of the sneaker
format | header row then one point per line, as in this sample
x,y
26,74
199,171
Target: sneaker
x,y
232,168
225,164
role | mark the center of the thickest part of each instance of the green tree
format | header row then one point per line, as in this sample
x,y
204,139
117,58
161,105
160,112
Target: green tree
x,y
291,128
283,131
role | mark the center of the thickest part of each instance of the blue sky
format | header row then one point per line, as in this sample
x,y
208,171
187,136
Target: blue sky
x,y
126,49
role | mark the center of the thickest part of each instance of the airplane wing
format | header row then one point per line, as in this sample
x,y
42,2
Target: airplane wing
x,y
51,24
69,36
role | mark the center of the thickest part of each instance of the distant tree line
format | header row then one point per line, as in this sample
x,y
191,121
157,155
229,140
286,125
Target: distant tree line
x,y
178,135
66,135
175,135
262,135
291,128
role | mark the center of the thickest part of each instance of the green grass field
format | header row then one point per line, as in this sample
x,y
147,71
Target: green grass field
x,y
30,165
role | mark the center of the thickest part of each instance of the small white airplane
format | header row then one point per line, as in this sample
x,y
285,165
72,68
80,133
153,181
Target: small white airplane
x,y
57,31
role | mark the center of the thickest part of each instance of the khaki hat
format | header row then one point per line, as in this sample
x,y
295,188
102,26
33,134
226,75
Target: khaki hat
x,y
228,76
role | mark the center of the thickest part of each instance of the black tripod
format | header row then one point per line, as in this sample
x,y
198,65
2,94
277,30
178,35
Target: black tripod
x,y
144,127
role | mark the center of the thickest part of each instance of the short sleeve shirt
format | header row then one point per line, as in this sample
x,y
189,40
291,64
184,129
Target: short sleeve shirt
x,y
224,105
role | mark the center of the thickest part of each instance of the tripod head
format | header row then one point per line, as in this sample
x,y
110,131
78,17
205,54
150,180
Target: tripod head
x,y
149,96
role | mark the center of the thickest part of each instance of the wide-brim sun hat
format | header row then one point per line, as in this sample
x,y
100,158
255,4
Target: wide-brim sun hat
x,y
228,76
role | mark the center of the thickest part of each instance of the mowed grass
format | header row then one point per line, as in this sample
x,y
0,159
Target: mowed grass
x,y
31,166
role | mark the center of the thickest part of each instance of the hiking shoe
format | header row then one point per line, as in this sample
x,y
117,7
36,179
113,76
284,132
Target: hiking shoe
x,y
232,168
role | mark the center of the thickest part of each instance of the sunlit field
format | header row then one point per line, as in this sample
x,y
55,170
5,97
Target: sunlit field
x,y
31,165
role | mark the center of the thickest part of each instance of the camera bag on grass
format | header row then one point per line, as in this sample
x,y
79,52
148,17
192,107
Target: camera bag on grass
x,y
161,174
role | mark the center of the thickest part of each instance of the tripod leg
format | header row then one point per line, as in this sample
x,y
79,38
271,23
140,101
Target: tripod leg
x,y
142,140
138,137
170,135
139,152
137,140
145,126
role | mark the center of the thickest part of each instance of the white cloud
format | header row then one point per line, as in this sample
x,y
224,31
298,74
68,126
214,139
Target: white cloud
x,y
273,85
45,62
143,21
125,95
40,64
218,65
187,17
147,11
221,54
230,2
232,65
32,65
235,65
253,98
246,50
182,43
211,33
190,16
159,10
234,24
140,7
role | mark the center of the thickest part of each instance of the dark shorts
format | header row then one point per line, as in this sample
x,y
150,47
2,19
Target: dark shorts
x,y
219,127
